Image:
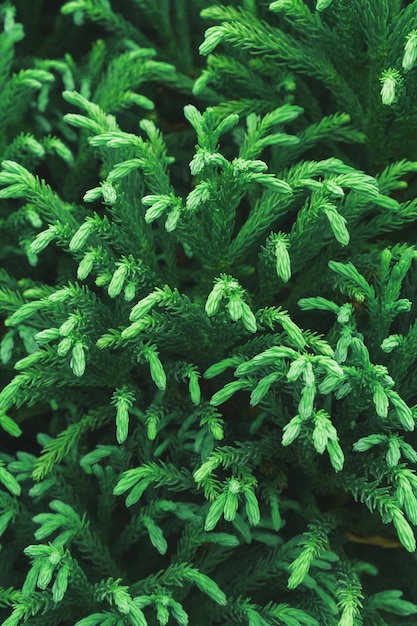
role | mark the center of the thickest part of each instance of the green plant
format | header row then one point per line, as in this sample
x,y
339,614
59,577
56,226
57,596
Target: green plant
x,y
210,330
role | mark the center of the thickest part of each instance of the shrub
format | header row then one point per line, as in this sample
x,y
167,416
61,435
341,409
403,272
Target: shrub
x,y
209,322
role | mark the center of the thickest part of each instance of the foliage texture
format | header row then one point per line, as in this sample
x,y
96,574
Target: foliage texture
x,y
208,311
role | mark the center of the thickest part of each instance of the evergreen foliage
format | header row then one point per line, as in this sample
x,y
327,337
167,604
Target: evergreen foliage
x,y
208,312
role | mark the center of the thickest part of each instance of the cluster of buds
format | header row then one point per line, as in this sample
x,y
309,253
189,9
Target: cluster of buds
x,y
228,287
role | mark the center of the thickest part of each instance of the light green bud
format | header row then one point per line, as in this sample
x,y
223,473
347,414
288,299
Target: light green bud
x,y
343,391
389,81
214,299
306,404
205,470
252,507
320,435
408,451
391,342
194,388
292,430
343,344
144,306
64,346
410,50
394,452
5,518
62,150
10,482
292,330
216,430
380,400
152,426
60,295
263,387
42,240
134,329
215,512
227,392
173,218
6,347
308,373
193,115
213,36
323,4
85,266
129,291
122,599
158,203
203,158
248,318
207,586
330,366
235,307
198,196
404,530
123,169
281,5
45,574
403,411
365,443
81,236
273,184
92,194
109,193
68,326
61,583
29,360
283,265
117,281
201,83
8,393
25,311
77,362
244,165
162,614
221,366
231,504
337,458
334,188
178,613
157,371
34,218
337,224
227,124
122,420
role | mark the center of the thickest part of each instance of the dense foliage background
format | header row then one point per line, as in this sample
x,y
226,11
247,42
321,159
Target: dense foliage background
x,y
208,312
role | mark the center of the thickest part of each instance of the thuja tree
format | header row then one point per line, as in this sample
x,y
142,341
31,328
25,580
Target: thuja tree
x,y
208,313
